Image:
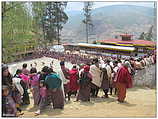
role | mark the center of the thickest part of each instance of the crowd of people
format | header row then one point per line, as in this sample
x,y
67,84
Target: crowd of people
x,y
49,87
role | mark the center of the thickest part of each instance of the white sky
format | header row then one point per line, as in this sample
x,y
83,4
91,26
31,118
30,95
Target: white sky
x,y
76,6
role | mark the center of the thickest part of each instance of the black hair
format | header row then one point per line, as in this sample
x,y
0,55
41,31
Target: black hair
x,y
45,69
33,70
108,61
116,62
62,63
119,60
95,60
43,82
18,71
74,66
24,65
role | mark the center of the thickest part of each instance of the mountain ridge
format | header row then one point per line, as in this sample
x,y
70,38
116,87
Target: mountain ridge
x,y
109,21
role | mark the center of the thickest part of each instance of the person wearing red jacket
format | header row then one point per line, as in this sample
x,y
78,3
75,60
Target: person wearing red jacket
x,y
73,84
123,81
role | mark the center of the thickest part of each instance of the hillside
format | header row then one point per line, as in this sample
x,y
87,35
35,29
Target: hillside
x,y
109,21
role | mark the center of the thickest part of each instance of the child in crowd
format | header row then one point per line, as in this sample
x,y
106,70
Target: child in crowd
x,y
43,97
34,79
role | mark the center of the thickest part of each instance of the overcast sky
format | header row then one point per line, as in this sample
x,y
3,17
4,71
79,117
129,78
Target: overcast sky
x,y
79,5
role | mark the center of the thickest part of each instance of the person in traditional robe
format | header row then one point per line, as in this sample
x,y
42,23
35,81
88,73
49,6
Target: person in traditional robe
x,y
26,85
73,84
115,70
43,76
18,90
138,65
109,73
123,81
63,73
146,61
142,62
25,70
34,79
119,62
96,79
81,68
6,77
85,88
43,97
105,82
8,104
53,84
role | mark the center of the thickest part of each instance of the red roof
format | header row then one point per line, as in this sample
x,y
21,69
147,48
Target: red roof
x,y
132,42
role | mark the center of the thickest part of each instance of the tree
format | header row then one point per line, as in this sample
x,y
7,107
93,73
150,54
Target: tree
x,y
87,21
16,30
53,19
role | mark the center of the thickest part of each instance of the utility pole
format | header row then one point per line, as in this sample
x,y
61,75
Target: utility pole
x,y
87,21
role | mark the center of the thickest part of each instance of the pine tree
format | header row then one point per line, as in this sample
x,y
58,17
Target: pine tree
x,y
53,20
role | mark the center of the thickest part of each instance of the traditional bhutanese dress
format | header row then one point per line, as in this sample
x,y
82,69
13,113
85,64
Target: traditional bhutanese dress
x,y
53,82
34,79
43,97
85,87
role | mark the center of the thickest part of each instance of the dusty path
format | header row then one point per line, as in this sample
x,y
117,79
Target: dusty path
x,y
141,102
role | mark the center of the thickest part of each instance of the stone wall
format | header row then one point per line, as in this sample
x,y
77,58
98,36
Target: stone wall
x,y
146,77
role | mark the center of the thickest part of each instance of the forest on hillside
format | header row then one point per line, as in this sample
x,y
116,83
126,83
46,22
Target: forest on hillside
x,y
27,25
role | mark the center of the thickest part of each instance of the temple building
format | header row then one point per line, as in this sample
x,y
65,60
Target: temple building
x,y
124,46
126,40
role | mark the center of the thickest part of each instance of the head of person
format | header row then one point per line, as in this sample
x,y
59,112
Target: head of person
x,y
33,70
47,70
42,83
119,60
138,60
5,90
115,63
74,67
86,68
126,64
24,65
5,71
18,71
62,64
108,61
96,62
131,59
